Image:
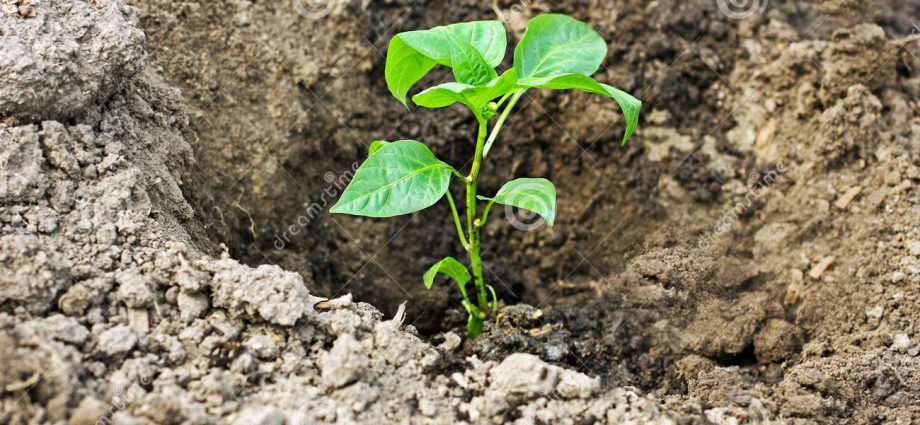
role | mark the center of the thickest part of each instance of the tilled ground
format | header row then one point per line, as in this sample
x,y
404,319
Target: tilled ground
x,y
753,256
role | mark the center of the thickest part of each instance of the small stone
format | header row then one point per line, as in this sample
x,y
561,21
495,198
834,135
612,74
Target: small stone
x,y
427,407
914,247
75,301
875,312
263,346
451,342
901,343
777,340
523,375
260,415
139,320
692,365
344,363
117,340
90,411
554,352
133,290
576,385
66,329
191,305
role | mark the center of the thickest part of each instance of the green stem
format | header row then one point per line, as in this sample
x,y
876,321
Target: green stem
x,y
485,213
458,175
501,120
453,209
472,222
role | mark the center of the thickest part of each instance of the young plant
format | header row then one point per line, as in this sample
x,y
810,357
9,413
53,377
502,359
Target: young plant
x,y
556,52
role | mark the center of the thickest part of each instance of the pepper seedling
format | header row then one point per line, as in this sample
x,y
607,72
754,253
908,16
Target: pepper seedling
x,y
556,52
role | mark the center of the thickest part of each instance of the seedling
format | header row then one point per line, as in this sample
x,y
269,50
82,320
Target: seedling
x,y
557,52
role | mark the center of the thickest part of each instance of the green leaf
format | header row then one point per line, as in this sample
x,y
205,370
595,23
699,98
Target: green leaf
x,y
474,326
537,195
473,97
467,63
450,267
405,66
411,55
399,178
628,104
558,44
375,146
488,37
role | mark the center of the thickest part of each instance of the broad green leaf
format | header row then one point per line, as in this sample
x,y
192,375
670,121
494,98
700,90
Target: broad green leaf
x,y
376,145
411,55
537,195
488,37
558,44
399,178
474,97
405,66
450,267
628,104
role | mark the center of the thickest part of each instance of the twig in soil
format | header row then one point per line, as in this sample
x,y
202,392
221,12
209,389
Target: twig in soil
x,y
896,373
821,267
848,197
252,224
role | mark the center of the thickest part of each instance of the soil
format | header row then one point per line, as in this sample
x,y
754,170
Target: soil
x,y
166,254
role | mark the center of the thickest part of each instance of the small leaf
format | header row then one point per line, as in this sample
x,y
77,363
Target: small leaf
x,y
467,63
475,98
628,104
411,55
488,37
537,195
450,267
558,44
399,178
375,146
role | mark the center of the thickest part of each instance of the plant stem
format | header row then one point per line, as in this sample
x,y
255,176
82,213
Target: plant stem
x,y
472,221
453,209
501,120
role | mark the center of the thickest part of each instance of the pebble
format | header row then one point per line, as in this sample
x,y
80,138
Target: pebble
x,y
875,312
914,247
901,343
117,340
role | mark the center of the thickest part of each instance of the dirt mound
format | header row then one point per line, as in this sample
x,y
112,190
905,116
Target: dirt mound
x,y
753,256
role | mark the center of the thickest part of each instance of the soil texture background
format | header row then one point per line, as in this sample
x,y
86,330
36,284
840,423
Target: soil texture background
x,y
752,256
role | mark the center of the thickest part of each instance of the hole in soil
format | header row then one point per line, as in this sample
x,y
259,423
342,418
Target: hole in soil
x,y
604,206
